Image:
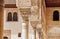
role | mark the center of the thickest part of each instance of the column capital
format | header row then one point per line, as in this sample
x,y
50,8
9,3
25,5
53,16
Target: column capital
x,y
25,12
34,23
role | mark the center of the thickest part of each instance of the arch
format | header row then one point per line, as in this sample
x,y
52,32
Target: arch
x,y
9,16
56,15
5,37
15,17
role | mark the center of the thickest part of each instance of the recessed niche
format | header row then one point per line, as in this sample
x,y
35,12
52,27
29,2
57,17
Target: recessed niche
x,y
5,37
56,15
19,34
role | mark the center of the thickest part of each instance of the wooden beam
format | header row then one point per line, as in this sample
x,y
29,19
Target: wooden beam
x,y
10,6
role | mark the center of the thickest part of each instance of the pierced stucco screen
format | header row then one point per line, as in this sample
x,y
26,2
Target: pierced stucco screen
x,y
54,33
24,3
10,1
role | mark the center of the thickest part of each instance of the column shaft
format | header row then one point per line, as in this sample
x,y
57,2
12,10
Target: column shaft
x,y
27,24
34,32
25,30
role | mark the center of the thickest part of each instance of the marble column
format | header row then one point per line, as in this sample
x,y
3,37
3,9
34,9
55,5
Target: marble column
x,y
1,18
25,12
35,33
27,24
40,36
25,30
34,24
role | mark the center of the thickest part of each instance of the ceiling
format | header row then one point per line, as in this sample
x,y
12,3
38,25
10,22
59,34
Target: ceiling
x,y
52,3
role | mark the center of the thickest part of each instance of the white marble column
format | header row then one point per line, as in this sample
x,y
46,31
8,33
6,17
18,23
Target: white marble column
x,y
35,33
24,30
